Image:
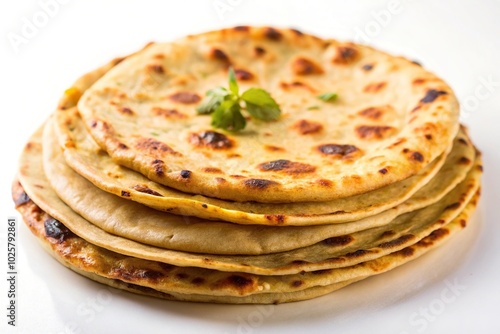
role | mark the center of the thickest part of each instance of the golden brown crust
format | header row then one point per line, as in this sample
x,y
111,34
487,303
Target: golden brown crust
x,y
286,57
88,258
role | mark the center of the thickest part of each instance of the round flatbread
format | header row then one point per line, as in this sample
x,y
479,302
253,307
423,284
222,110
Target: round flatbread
x,y
392,117
136,222
85,257
334,252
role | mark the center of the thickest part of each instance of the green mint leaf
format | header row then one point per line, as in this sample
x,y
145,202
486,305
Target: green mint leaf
x,y
212,100
261,105
228,116
328,97
233,84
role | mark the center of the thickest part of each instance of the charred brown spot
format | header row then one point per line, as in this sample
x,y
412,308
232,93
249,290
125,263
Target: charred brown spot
x,y
297,283
239,281
156,69
305,127
287,166
463,223
417,156
125,193
150,274
168,113
383,171
273,34
406,150
338,241
367,67
345,55
182,276
122,146
204,206
242,28
220,180
243,75
185,174
324,182
220,55
464,161
428,137
304,66
432,95
296,84
453,206
480,168
155,147
56,230
299,262
126,111
198,281
185,97
419,81
334,149
374,87
321,272
272,148
438,234
277,219
259,183
374,131
397,242
372,113
144,189
397,143
405,252
387,234
166,267
463,141
259,51
212,170
21,199
358,253
158,166
211,139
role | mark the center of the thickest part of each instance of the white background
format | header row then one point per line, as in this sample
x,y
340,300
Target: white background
x,y
454,289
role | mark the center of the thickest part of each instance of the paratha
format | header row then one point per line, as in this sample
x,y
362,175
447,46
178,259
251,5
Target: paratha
x,y
84,155
333,252
88,160
391,120
86,257
139,223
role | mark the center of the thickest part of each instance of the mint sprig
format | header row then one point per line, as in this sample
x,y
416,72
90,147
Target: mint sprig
x,y
226,105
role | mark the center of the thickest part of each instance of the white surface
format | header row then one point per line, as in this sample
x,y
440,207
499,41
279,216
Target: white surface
x,y
459,40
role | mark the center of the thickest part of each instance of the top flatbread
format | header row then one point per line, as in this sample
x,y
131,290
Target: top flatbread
x,y
392,117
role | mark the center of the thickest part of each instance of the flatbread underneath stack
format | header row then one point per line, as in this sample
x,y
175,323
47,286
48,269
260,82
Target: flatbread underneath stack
x,y
397,198
193,284
333,250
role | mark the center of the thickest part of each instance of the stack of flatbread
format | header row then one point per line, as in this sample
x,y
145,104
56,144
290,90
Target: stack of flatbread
x,y
129,185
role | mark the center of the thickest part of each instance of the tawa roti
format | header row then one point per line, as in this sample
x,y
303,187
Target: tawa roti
x,y
334,252
77,253
142,113
136,222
